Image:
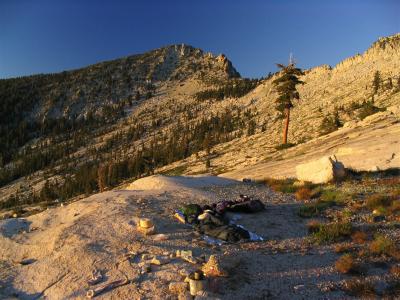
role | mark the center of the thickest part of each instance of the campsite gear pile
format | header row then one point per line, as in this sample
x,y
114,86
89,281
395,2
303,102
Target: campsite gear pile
x,y
211,220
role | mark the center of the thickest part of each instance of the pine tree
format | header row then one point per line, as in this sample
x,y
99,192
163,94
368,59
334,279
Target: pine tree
x,y
376,82
285,85
101,177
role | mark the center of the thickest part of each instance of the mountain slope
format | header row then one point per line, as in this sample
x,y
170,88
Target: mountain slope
x,y
72,133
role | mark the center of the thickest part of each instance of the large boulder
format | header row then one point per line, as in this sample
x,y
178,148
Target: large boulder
x,y
323,170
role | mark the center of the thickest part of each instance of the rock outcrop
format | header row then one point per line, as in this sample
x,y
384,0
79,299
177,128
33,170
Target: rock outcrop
x,y
324,170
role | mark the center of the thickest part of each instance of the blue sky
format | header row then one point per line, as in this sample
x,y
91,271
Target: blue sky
x,y
42,36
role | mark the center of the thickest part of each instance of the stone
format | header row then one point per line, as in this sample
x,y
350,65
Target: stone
x,y
145,223
178,287
146,231
146,256
213,267
196,286
185,272
323,170
159,260
160,237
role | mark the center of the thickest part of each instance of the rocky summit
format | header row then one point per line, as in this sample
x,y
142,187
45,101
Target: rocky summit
x,y
163,175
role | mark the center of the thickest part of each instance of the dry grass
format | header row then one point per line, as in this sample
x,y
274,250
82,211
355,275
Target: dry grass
x,y
333,232
395,207
313,226
382,245
390,181
346,264
303,193
360,288
395,271
376,201
359,237
343,248
283,186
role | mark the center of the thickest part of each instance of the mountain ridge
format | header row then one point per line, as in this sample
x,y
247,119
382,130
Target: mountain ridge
x,y
62,123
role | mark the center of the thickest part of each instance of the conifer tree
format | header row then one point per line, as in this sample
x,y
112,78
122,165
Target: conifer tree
x,y
376,82
285,85
101,177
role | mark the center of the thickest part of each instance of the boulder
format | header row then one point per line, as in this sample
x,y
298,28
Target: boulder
x,y
323,170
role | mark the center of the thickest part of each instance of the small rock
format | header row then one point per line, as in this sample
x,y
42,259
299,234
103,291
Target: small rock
x,y
160,237
178,287
159,260
298,287
184,272
146,256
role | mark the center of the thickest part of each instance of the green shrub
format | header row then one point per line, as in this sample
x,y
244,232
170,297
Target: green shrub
x,y
368,108
330,123
313,209
333,232
283,186
333,196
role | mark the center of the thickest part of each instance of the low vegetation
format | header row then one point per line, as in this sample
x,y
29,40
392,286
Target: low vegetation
x,y
346,264
360,288
235,88
366,109
383,245
344,219
332,232
330,123
359,237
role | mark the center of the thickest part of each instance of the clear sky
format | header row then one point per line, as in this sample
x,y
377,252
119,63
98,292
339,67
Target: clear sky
x,y
42,36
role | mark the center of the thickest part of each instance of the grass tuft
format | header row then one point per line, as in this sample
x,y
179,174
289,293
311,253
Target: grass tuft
x,y
303,193
382,245
283,186
377,201
333,232
359,288
395,271
346,264
313,226
359,237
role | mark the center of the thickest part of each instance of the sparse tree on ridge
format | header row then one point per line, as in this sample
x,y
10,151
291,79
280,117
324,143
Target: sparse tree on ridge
x,y
285,85
376,82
